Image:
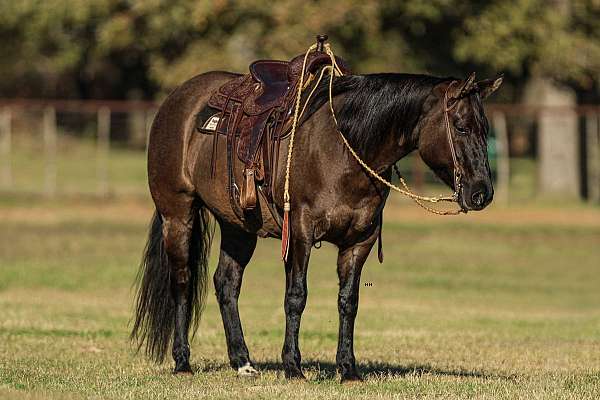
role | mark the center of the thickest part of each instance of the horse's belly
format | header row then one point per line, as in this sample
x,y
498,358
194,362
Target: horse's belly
x,y
214,192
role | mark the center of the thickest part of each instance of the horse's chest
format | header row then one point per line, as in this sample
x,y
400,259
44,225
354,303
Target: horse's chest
x,y
348,222
347,209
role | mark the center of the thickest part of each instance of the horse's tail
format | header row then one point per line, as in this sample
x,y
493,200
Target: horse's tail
x,y
155,305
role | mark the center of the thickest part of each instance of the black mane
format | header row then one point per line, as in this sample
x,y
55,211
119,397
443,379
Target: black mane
x,y
375,104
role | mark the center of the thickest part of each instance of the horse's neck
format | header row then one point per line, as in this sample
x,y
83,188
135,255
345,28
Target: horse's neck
x,y
396,146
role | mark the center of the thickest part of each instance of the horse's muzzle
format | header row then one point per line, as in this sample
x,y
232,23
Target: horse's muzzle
x,y
476,197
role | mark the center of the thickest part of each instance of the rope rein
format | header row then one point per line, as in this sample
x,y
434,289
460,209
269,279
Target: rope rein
x,y
334,70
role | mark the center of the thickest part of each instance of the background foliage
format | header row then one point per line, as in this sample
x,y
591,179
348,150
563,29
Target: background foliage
x,y
142,49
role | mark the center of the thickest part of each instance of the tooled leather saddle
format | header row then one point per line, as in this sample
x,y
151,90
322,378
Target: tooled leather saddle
x,y
254,111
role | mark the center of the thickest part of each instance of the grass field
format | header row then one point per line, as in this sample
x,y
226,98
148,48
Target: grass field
x,y
502,304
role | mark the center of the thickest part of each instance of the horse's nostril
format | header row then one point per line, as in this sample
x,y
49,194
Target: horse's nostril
x,y
478,198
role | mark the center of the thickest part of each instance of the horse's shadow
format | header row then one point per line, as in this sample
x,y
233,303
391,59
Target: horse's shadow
x,y
327,370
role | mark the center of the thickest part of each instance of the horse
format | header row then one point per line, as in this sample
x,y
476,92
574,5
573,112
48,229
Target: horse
x,y
384,117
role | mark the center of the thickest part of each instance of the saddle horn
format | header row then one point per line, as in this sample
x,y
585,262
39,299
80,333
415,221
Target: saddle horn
x,y
321,39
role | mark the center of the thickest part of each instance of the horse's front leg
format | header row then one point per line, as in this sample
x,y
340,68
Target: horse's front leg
x,y
350,262
295,301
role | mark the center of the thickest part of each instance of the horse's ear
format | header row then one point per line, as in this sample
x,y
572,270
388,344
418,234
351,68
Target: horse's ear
x,y
489,86
468,85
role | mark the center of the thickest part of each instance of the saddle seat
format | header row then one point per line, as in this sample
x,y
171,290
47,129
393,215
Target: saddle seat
x,y
273,78
278,77
255,110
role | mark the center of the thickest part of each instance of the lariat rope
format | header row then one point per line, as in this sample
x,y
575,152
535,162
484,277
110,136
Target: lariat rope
x,y
285,230
286,186
334,70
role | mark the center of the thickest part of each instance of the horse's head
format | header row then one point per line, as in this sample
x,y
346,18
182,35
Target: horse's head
x,y
453,139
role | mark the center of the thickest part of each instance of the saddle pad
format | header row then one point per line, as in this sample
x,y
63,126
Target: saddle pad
x,y
207,120
250,130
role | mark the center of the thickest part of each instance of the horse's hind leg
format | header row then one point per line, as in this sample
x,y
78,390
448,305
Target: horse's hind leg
x,y
237,248
178,232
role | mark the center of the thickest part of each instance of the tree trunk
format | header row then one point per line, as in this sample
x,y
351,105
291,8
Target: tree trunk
x,y
558,137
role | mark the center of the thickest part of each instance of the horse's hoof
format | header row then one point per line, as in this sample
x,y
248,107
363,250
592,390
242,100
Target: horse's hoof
x,y
350,379
295,373
247,371
183,370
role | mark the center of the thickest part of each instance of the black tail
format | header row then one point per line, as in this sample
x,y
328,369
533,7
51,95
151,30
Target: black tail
x,y
155,305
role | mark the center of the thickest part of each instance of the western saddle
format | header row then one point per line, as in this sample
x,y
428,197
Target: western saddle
x,y
254,111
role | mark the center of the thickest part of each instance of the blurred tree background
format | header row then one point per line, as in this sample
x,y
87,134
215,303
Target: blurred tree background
x,y
117,49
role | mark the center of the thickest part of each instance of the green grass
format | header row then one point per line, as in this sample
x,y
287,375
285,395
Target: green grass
x,y
460,308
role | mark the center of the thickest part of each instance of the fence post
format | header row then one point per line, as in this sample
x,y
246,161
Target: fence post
x,y
558,165
5,148
102,150
50,141
592,126
502,157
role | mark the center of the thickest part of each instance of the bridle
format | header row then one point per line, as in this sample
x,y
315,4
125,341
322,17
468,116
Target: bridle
x,y
457,167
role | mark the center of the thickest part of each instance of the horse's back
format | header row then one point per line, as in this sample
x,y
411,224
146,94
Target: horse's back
x,y
171,130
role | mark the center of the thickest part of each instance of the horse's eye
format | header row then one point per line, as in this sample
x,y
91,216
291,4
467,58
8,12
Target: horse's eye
x,y
463,130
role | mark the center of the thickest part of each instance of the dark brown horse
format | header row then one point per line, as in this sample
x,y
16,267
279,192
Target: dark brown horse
x,y
383,116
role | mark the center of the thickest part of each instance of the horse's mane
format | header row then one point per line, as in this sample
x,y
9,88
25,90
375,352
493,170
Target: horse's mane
x,y
375,104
